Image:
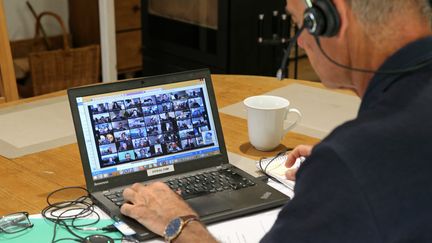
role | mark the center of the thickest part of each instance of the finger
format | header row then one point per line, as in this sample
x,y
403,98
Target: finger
x,y
290,174
301,150
160,185
304,150
165,188
129,194
126,209
137,186
291,158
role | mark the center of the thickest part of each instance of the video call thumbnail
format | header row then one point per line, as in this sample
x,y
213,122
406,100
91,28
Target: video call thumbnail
x,y
131,129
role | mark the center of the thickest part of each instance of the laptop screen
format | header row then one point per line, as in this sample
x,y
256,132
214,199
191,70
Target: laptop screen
x,y
147,129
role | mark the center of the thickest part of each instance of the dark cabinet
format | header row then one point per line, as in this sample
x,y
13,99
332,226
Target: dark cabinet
x,y
161,36
219,34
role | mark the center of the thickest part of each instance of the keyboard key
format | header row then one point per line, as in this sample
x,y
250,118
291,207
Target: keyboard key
x,y
110,196
117,199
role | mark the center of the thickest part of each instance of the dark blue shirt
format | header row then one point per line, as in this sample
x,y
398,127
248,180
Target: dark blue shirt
x,y
370,180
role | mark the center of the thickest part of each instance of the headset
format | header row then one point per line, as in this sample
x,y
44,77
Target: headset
x,y
321,19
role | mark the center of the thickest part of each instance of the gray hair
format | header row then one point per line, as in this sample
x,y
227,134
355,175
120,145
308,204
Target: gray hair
x,y
376,13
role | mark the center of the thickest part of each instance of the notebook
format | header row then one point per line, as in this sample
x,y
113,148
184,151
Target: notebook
x,y
164,128
275,167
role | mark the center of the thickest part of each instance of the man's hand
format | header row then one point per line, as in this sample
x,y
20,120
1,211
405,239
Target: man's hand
x,y
297,152
154,205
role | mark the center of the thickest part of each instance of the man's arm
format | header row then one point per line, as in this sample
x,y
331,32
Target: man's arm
x,y
155,205
329,205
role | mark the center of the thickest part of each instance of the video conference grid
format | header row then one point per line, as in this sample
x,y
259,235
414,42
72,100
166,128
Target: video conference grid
x,y
145,127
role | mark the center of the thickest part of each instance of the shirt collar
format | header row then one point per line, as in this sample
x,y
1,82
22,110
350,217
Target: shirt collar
x,y
412,54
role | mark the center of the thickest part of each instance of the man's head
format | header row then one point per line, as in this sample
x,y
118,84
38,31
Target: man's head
x,y
369,32
375,15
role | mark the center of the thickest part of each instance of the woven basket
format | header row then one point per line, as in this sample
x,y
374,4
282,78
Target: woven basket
x,y
61,69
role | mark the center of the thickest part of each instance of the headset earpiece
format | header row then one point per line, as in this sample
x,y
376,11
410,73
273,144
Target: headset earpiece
x,y
322,19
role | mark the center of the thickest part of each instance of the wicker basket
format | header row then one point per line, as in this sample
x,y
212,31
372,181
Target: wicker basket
x,y
61,69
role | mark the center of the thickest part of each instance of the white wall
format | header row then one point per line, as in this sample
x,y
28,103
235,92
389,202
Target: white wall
x,y
21,23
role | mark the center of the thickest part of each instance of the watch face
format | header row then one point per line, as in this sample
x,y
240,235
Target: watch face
x,y
173,228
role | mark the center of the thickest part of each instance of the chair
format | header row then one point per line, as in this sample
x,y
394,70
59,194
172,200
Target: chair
x,y
8,86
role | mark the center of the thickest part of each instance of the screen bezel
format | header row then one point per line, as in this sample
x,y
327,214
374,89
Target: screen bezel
x,y
129,84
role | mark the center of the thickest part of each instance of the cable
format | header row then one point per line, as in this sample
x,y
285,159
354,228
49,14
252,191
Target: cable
x,y
422,64
281,73
66,213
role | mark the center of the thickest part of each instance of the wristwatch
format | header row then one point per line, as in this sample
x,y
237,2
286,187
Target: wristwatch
x,y
175,227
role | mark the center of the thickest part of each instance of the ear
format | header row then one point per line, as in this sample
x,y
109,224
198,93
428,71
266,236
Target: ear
x,y
345,15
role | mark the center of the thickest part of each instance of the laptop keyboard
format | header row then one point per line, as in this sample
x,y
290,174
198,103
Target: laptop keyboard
x,y
208,182
197,185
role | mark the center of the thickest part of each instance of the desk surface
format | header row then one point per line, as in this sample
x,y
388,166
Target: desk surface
x,y
27,180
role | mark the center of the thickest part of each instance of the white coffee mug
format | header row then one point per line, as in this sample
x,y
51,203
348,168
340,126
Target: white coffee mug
x,y
268,121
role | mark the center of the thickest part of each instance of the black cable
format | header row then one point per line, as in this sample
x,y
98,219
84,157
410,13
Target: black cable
x,y
282,72
51,213
60,213
422,64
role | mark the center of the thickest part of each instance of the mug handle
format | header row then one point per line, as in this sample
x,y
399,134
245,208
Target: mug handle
x,y
293,124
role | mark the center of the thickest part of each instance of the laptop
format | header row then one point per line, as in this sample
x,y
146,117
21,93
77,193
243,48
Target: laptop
x,y
162,128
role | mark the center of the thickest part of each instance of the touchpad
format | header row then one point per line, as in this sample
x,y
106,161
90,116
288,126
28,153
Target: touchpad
x,y
208,205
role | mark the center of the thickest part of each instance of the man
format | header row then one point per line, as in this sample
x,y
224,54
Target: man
x,y
370,179
127,157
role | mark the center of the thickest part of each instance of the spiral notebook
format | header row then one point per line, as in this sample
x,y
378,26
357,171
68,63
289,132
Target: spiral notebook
x,y
276,168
